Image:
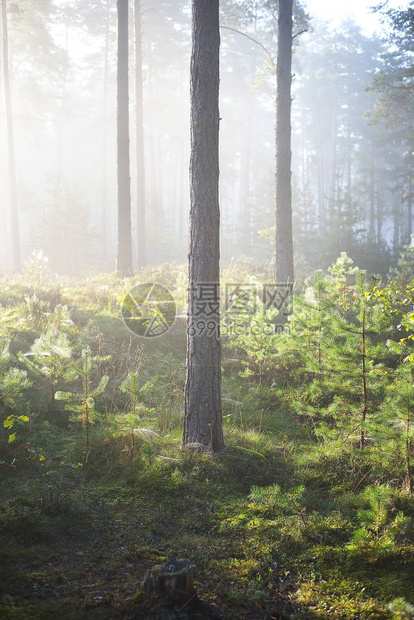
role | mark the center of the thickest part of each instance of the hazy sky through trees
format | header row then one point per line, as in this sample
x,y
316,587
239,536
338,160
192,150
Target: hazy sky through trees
x,y
351,178
358,10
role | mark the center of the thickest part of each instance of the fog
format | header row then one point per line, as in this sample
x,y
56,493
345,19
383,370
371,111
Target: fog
x,y
350,176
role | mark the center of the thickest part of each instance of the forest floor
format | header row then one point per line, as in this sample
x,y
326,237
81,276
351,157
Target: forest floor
x,y
85,555
88,558
268,524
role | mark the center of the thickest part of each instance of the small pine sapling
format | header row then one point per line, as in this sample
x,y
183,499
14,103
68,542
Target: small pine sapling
x,y
379,523
333,354
49,356
273,499
400,402
36,312
132,386
251,331
356,356
84,402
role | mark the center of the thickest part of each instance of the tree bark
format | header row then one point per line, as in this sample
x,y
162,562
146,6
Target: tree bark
x,y
139,115
284,236
14,214
124,249
203,416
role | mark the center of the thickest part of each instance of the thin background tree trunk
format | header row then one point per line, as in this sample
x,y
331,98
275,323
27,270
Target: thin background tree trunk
x,y
61,118
284,241
245,165
104,161
333,157
139,115
14,214
203,416
372,195
322,223
124,249
409,202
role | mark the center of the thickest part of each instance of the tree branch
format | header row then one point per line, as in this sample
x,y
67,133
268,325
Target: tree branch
x,y
299,33
268,54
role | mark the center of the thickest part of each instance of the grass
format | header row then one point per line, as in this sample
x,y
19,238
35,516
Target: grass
x,y
78,532
86,556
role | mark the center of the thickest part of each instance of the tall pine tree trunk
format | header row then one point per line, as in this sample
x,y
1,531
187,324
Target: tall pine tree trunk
x,y
124,249
139,115
14,214
284,240
203,417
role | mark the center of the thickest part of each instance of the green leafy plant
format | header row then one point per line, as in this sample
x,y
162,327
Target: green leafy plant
x,y
13,381
12,421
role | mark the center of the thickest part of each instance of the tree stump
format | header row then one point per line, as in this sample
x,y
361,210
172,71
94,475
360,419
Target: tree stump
x,y
174,580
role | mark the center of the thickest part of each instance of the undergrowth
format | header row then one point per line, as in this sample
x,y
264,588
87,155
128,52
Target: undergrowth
x,y
307,513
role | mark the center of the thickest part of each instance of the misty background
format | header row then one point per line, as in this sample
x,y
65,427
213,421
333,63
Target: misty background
x,y
351,170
